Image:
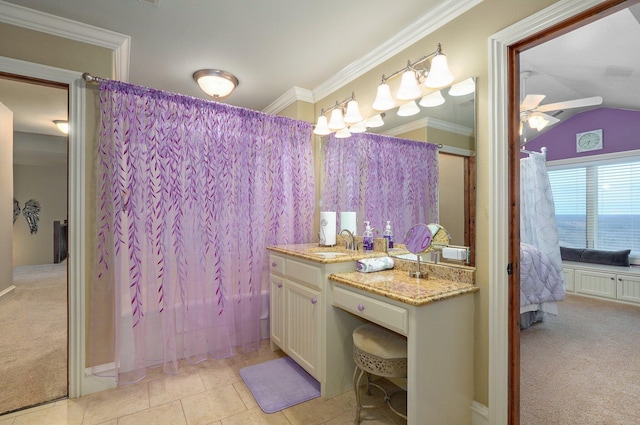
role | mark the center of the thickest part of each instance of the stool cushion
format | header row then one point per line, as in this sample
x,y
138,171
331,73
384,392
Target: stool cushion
x,y
380,342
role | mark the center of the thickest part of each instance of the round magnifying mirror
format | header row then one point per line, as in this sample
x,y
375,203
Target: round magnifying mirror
x,y
417,240
439,237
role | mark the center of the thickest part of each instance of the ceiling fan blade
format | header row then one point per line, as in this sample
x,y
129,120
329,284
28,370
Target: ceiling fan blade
x,y
578,103
531,101
552,120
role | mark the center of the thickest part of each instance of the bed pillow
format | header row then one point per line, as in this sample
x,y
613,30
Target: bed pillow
x,y
611,258
571,254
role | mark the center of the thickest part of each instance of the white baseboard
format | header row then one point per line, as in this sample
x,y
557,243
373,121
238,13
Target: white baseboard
x,y
8,294
93,384
479,414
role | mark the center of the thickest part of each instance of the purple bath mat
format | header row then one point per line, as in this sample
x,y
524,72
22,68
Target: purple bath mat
x,y
280,383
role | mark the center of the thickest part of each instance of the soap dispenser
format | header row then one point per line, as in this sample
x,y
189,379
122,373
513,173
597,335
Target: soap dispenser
x,y
367,237
388,235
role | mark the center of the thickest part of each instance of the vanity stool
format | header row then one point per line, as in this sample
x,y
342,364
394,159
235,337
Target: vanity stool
x,y
381,352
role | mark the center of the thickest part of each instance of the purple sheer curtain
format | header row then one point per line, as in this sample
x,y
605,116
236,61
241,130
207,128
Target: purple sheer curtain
x,y
189,194
381,178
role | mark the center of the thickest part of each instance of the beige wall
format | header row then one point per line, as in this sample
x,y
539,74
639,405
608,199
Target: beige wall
x,y
6,197
44,49
465,42
48,186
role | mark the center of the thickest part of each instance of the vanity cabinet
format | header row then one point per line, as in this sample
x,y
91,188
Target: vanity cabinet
x,y
297,311
610,282
302,326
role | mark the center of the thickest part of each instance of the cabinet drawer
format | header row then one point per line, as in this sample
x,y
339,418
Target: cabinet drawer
x,y
304,273
387,315
276,265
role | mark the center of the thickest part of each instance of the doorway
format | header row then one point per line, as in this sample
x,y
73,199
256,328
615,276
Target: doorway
x,y
34,340
513,53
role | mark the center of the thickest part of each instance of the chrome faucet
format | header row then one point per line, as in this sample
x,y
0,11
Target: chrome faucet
x,y
351,243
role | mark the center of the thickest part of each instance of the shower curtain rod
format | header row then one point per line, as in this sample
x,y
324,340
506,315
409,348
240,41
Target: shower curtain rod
x,y
543,151
91,79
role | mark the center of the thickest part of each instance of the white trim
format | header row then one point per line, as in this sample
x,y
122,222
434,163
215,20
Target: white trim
x,y
479,414
423,26
43,22
7,294
292,95
77,237
455,151
425,122
607,158
498,210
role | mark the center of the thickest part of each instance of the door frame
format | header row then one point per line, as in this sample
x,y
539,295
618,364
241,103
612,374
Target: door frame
x,y
504,236
80,382
76,207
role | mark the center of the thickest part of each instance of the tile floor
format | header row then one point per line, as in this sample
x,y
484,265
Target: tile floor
x,y
209,393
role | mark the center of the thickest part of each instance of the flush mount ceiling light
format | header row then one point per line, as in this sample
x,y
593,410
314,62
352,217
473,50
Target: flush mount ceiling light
x,y
62,125
216,83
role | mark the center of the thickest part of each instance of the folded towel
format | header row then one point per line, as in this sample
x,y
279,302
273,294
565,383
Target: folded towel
x,y
367,265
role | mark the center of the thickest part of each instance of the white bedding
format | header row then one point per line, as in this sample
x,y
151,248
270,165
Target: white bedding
x,y
540,282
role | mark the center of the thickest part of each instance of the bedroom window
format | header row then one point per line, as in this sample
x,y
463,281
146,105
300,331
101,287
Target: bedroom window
x,y
598,204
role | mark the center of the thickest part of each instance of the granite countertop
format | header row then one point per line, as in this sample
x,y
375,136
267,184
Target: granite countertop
x,y
311,252
398,285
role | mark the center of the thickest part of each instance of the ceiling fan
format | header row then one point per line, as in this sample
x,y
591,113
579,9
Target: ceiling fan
x,y
533,113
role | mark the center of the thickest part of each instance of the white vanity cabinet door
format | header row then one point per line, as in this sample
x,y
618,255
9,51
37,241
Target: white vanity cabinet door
x,y
303,321
594,283
628,287
276,310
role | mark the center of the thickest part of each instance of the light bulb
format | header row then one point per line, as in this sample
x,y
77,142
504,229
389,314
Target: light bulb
x,y
375,121
463,87
343,133
322,129
336,122
408,109
383,101
432,99
409,89
439,74
353,113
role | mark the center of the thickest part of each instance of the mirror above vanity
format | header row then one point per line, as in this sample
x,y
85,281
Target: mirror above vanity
x,y
451,126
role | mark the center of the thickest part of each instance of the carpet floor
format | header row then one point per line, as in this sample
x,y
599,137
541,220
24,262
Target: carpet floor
x,y
33,338
583,366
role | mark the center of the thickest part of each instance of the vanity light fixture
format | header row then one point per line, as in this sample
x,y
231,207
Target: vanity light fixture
x,y
375,121
408,109
338,121
463,87
434,74
409,89
216,83
63,125
432,99
359,127
383,100
343,133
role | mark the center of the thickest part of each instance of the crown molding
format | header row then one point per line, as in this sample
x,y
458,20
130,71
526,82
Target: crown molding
x,y
291,96
430,122
61,27
435,18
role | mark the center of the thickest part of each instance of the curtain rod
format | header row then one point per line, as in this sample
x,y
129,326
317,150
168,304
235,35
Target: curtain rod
x,y
91,79
543,151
